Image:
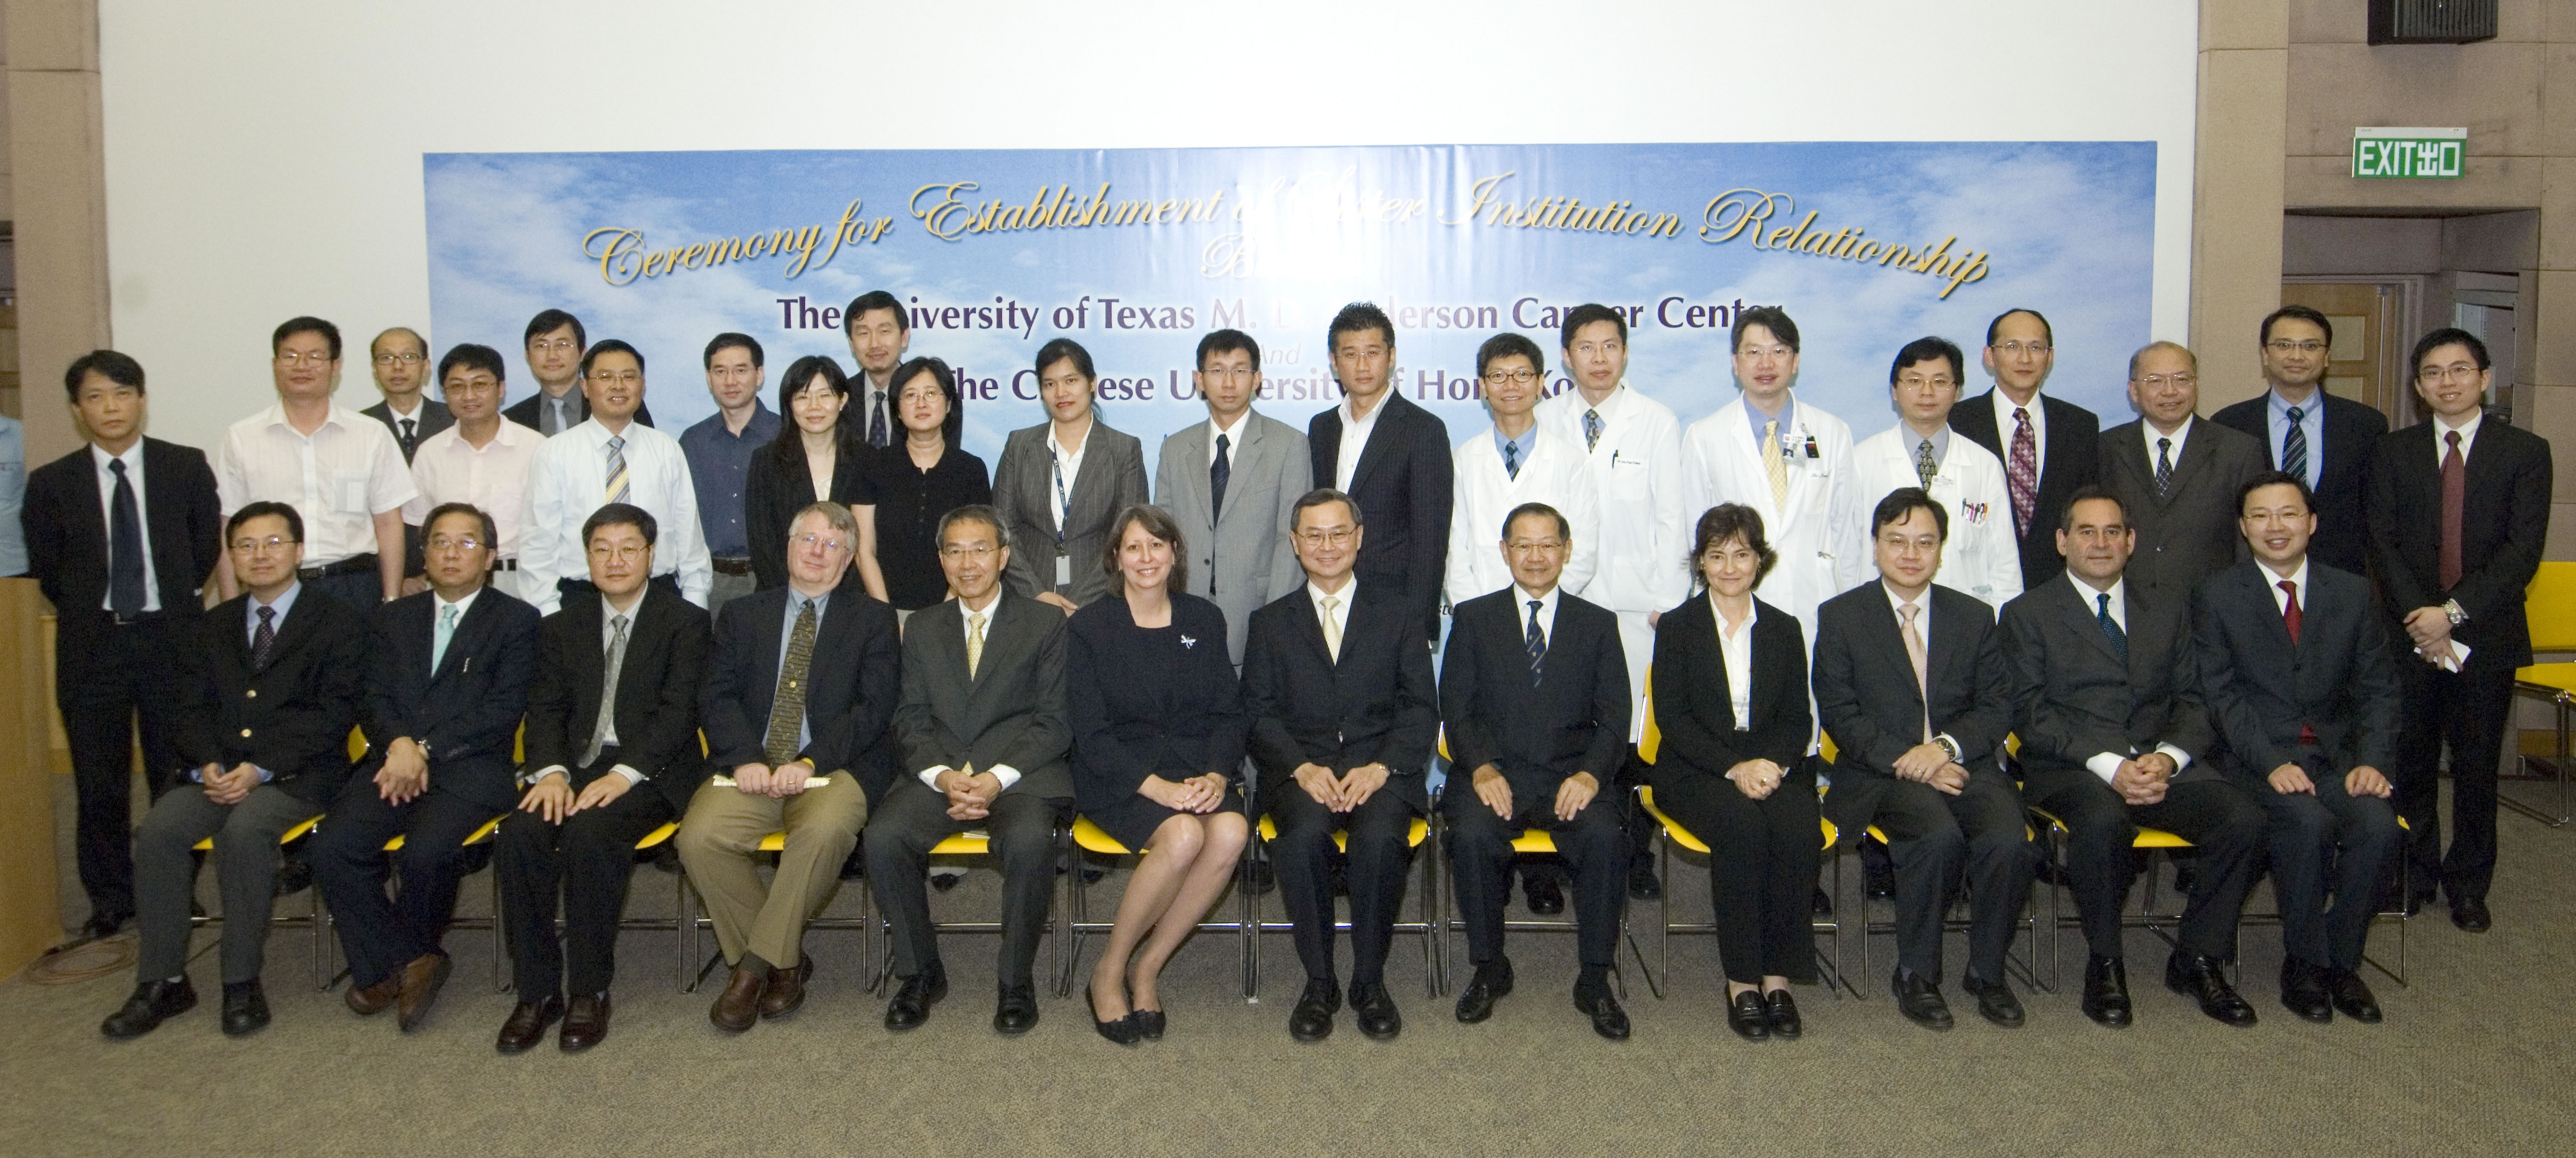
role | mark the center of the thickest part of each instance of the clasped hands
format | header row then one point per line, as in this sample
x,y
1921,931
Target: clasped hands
x,y
228,787
1200,793
2142,780
1345,792
1930,763
1757,778
1572,795
778,783
552,796
2430,630
405,772
2363,780
970,793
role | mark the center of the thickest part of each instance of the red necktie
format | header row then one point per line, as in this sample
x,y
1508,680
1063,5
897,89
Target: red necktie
x,y
2455,495
2292,617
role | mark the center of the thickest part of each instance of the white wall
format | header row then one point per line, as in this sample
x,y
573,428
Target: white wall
x,y
263,158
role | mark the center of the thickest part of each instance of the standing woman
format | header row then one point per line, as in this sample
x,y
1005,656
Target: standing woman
x,y
1158,734
1060,483
1730,678
915,482
815,458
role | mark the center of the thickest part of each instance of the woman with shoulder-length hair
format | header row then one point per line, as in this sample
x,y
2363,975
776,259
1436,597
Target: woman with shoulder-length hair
x,y
1059,483
1158,736
1730,690
920,480
815,458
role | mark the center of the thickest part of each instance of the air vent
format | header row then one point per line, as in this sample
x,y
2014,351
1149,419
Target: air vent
x,y
2432,21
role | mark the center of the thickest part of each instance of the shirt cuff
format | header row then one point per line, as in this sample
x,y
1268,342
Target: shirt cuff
x,y
930,776
632,776
2180,758
2105,765
546,771
1006,774
265,775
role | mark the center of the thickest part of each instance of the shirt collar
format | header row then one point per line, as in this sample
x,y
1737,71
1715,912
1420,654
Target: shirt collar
x,y
1752,611
608,608
2272,578
336,415
1922,603
285,603
987,610
1547,603
132,458
2313,407
1914,442
1527,442
462,606
1788,419
1351,415
1088,434
419,411
2119,593
2468,430
1350,591
1233,434
796,599
1610,404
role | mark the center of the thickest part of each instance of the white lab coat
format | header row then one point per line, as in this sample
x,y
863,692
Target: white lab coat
x,y
1821,534
1981,556
1553,474
1637,469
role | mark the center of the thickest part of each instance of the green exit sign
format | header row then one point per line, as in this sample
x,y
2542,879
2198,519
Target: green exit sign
x,y
2409,152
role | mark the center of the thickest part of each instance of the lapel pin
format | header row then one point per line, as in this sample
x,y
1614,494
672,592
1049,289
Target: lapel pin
x,y
1188,642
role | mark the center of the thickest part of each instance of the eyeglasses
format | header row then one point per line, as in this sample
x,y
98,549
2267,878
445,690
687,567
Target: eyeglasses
x,y
923,394
443,543
2017,349
620,378
1522,377
259,546
623,552
1937,383
2461,371
1533,546
1338,536
960,552
1232,373
2286,346
1587,349
296,358
559,346
2160,381
829,544
405,358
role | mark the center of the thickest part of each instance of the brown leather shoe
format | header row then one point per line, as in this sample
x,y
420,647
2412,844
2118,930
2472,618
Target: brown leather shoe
x,y
739,1005
527,1024
786,989
370,1000
421,981
587,1024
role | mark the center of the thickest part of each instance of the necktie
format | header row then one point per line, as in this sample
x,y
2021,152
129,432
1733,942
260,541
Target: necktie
x,y
124,547
617,470
878,434
1773,467
607,693
1914,653
1332,629
264,640
438,639
787,711
1925,466
2455,496
1536,644
1219,470
2111,627
2164,467
1512,457
974,643
557,408
1591,430
2294,445
2291,617
410,438
2021,470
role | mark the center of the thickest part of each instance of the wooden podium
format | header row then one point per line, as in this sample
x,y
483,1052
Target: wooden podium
x,y
30,908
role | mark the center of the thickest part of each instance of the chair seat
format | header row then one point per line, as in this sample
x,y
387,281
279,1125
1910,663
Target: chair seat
x,y
1682,836
2547,678
1093,838
1534,840
475,837
287,837
1413,837
973,842
657,836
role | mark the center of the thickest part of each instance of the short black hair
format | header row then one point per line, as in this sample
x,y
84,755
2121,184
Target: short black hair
x,y
1924,349
1904,500
1321,496
306,324
2275,478
1229,342
1771,318
875,300
2448,336
1586,314
548,321
1564,529
1506,344
491,533
1061,349
728,340
249,511
1354,318
2047,333
2308,314
619,515
973,513
610,346
472,357
121,369
1731,521
939,372
2088,493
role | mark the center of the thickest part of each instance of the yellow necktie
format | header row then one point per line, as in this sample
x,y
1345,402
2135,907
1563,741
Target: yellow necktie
x,y
1332,630
1773,468
974,642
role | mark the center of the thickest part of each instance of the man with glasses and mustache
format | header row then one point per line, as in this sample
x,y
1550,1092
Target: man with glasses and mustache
x,y
2325,440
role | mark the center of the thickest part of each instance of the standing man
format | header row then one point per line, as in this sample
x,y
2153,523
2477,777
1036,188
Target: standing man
x,y
2459,510
2176,478
481,461
1511,462
121,534
612,457
339,469
719,450
401,361
1389,455
879,332
1231,483
2326,441
557,349
2050,447
1981,556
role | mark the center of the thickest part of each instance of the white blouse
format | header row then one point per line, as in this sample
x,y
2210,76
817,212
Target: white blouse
x,y
1737,649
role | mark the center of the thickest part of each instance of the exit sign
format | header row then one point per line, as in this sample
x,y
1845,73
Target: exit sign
x,y
2409,152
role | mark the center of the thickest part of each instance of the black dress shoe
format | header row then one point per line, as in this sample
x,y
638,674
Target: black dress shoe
x,y
1546,897
294,874
944,881
1374,1008
152,1003
1781,1010
2204,980
1122,1031
2470,914
1017,1010
913,999
1995,1000
1822,905
1919,999
2106,991
1493,980
2303,990
1746,1015
1599,1004
1642,885
2352,998
666,856
585,1023
245,1009
527,1024
1312,1019
105,925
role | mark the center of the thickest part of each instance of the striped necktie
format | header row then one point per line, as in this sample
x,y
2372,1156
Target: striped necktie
x,y
615,661
2110,627
1536,644
617,488
2294,445
787,710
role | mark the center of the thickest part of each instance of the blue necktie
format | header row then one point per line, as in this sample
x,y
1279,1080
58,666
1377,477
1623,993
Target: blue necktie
x,y
2164,467
1591,430
1536,643
438,639
2111,627
2294,445
1512,458
878,435
1218,472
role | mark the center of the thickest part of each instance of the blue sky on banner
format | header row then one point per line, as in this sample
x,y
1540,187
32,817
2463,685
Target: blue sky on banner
x,y
1868,245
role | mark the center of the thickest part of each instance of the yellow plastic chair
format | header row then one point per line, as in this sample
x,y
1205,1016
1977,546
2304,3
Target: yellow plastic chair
x,y
2550,606
1426,900
1092,838
1531,840
2030,920
697,920
310,919
1672,833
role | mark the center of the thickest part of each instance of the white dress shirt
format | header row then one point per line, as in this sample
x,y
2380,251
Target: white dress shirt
x,y
2005,424
1355,435
133,460
2298,579
1067,465
568,479
2107,764
338,478
494,477
2442,441
2152,435
1736,651
966,619
1336,622
1233,436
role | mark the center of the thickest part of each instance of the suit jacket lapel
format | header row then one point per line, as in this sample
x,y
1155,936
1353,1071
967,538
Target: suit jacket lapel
x,y
2085,618
1883,623
1310,628
1390,419
459,645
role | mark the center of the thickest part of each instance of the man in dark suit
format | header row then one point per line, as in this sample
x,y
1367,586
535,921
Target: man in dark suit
x,y
1344,715
985,740
1534,691
2459,510
555,342
2297,671
1391,456
447,685
2176,476
614,709
2114,737
2326,441
2050,447
268,692
121,534
401,363
1918,713
796,708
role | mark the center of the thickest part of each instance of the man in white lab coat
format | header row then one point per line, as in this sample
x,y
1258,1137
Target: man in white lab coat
x,y
1982,556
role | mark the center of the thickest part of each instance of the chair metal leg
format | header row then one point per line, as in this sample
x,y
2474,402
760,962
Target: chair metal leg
x,y
501,979
683,948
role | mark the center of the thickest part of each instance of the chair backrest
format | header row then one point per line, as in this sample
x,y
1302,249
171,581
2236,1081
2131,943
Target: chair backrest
x,y
2550,604
357,745
1653,738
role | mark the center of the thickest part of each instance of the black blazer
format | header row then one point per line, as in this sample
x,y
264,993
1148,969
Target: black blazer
x,y
2071,461
1139,709
2073,697
434,417
66,531
2189,534
1574,720
667,642
2339,679
1379,704
1404,486
849,694
2503,525
1866,697
2353,432
772,493
1011,712
525,412
292,717
469,711
1695,705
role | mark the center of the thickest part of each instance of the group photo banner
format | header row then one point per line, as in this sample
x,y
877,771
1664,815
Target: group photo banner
x,y
1137,253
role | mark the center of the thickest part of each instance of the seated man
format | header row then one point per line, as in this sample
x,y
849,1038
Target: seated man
x,y
778,721
1911,685
614,709
985,735
268,762
2295,663
1536,702
2108,707
1344,715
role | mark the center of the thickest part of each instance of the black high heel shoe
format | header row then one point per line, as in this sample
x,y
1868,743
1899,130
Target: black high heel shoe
x,y
1122,1031
1149,1023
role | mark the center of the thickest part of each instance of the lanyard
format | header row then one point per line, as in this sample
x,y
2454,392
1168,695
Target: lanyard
x,y
1063,503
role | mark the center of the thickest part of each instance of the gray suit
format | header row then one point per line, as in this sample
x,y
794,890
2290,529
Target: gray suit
x,y
2190,533
1112,479
1239,557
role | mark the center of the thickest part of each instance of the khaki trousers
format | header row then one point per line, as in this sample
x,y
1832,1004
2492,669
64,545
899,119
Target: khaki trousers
x,y
721,835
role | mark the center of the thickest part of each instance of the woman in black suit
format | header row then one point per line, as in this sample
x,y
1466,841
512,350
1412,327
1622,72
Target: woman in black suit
x,y
1158,735
1730,677
815,458
919,480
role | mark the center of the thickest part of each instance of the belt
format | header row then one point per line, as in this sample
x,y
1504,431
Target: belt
x,y
137,619
732,566
505,564
353,565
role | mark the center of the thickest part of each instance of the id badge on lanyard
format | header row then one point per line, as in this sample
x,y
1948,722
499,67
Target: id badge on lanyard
x,y
1063,510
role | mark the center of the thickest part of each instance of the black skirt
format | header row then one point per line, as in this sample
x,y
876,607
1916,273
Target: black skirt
x,y
1133,821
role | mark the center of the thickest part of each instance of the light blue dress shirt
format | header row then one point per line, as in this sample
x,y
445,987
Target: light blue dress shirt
x,y
2312,418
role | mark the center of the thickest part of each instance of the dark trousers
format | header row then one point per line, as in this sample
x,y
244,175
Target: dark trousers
x,y
589,857
245,836
2328,844
1762,864
2221,820
915,818
2468,710
1378,857
1480,859
382,934
1939,841
1634,773
107,680
362,590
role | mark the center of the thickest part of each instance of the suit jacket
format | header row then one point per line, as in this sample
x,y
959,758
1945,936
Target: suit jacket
x,y
1377,704
2353,432
1403,485
772,493
1867,700
1138,708
525,411
1239,558
656,710
66,530
850,685
1575,719
2189,534
2504,523
1695,704
1011,712
433,417
1112,479
468,711
2074,698
2338,679
292,717
2071,461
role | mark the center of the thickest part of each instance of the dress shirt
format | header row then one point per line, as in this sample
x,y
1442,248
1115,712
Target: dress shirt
x,y
250,631
1002,772
1233,437
438,606
875,399
719,462
445,468
2298,579
1515,452
1337,622
2312,419
133,460
796,601
2442,441
2005,424
2147,428
1521,597
2107,764
555,410
13,499
1737,652
1356,429
1067,467
608,614
1788,420
1940,443
1922,627
338,478
569,479
910,502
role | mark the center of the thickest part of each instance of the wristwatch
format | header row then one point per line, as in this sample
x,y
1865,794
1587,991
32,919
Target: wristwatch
x,y
1948,745
2451,607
